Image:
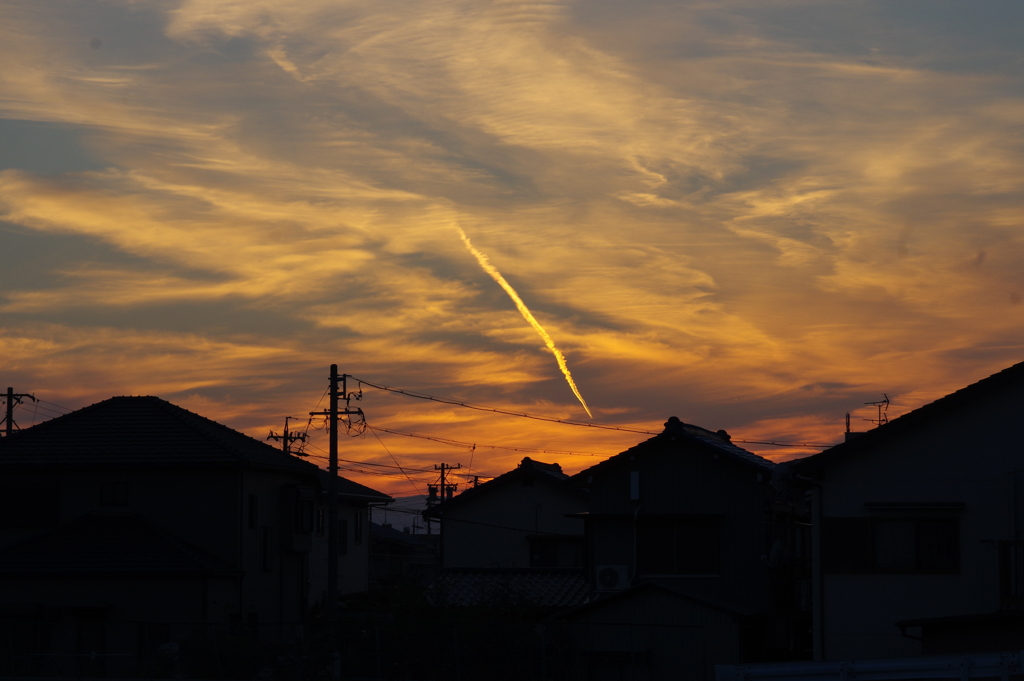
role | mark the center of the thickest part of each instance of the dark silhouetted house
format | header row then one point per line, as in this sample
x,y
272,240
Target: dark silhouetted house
x,y
516,520
513,541
398,557
686,532
922,529
134,510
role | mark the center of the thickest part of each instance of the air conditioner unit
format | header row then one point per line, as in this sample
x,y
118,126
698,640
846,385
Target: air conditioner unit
x,y
612,577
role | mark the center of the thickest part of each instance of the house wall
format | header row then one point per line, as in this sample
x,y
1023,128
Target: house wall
x,y
209,509
973,456
201,508
688,481
492,529
353,553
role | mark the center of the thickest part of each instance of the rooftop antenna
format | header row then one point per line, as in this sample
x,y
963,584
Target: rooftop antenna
x,y
883,412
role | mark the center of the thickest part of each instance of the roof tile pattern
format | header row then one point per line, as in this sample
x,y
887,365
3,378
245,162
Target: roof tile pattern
x,y
148,431
534,587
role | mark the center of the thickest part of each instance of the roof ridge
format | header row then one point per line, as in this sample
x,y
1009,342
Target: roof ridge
x,y
202,425
928,410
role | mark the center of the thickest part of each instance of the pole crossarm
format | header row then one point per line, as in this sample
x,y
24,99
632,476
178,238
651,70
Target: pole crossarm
x,y
13,399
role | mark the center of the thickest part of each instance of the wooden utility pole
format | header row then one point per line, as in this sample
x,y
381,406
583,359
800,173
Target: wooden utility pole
x,y
288,438
13,398
447,490
332,484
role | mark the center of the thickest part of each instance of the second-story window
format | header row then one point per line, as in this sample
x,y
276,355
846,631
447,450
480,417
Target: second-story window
x,y
342,536
678,545
28,504
265,548
254,505
892,545
357,535
305,516
114,494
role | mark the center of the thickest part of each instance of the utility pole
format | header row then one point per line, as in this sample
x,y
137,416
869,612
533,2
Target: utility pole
x,y
447,490
287,438
14,398
443,490
332,484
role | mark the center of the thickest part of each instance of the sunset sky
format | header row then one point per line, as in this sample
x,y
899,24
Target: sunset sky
x,y
754,215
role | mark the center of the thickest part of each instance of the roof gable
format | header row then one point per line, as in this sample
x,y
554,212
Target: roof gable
x,y
136,430
678,434
148,431
546,473
939,409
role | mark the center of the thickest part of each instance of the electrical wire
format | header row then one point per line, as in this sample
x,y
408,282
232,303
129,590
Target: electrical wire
x,y
810,445
550,419
472,445
59,406
324,455
496,410
394,459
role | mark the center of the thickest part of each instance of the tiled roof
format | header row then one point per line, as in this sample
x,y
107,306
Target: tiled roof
x,y
601,600
149,431
532,587
136,430
108,545
678,433
937,409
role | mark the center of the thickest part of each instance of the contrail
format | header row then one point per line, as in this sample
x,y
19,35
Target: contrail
x,y
527,315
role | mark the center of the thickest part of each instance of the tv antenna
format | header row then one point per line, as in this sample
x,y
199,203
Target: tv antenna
x,y
883,411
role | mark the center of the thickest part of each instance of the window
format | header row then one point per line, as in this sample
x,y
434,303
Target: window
x,y
551,551
254,505
358,534
305,516
114,494
678,545
892,545
321,520
265,548
28,504
342,536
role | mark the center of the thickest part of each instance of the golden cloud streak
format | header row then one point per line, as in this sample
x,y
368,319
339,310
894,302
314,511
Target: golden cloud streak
x,y
485,263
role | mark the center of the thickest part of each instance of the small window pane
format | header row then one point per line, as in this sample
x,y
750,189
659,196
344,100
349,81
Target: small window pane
x,y
895,545
938,545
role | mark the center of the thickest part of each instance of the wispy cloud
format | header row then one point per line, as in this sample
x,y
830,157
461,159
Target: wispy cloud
x,y
714,205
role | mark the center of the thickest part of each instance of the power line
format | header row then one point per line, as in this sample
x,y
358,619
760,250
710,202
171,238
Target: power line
x,y
472,445
496,410
393,458
550,419
812,445
369,463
